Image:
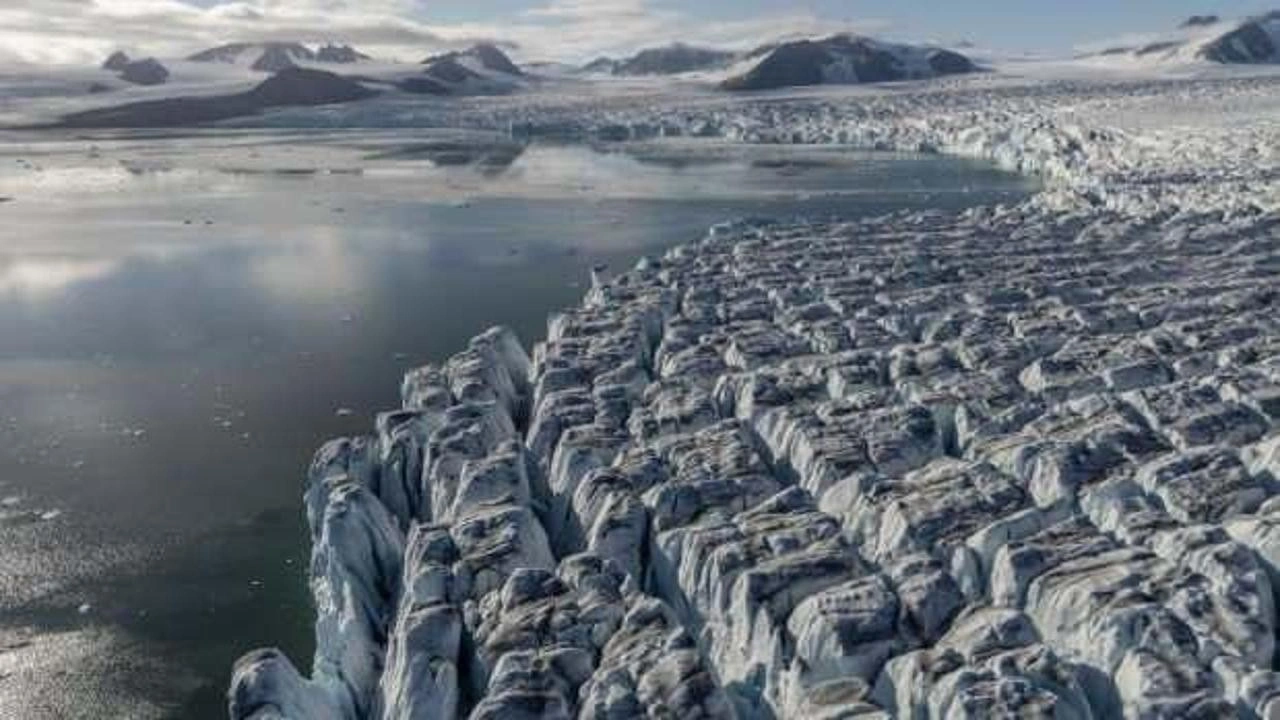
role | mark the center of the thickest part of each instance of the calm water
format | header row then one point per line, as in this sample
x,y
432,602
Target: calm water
x,y
183,320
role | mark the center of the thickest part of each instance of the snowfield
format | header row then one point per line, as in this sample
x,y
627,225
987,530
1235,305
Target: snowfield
x,y
1197,136
1015,462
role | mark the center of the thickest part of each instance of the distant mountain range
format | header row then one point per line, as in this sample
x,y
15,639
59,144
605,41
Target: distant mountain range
x,y
839,59
485,69
276,56
1254,40
480,70
288,88
269,57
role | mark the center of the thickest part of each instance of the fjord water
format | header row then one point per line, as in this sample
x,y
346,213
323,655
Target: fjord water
x,y
185,318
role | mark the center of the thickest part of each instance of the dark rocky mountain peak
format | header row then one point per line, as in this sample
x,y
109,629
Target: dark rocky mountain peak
x,y
116,62
340,54
1200,21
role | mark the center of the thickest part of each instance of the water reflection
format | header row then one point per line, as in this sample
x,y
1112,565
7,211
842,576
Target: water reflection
x,y
180,318
27,277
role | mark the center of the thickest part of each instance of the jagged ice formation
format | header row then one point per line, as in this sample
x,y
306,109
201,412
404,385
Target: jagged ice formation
x,y
1012,462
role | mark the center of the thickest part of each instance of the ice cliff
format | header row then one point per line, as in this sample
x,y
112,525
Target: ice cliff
x,y
1012,462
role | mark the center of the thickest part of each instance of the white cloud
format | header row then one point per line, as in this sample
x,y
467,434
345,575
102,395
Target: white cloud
x,y
84,31
78,31
583,28
591,9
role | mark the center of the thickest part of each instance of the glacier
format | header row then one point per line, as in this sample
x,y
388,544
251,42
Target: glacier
x,y
1017,461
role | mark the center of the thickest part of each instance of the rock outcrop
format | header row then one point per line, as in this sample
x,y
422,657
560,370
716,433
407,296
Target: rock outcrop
x,y
1200,21
145,72
340,54
116,62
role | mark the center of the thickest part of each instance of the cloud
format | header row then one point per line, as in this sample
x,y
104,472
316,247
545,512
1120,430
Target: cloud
x,y
84,31
585,28
78,31
591,9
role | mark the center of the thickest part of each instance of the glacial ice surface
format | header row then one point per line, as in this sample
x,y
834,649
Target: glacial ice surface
x,y
1011,462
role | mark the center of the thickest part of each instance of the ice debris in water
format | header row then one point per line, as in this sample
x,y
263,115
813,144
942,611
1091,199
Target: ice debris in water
x,y
1009,462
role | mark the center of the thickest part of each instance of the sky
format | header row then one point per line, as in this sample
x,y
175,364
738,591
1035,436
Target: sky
x,y
83,31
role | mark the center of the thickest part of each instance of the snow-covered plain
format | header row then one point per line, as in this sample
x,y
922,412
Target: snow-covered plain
x,y
1015,462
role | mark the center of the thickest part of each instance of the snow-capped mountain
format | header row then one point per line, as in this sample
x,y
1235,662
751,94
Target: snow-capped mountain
x,y
116,62
668,60
479,70
291,87
602,65
147,71
340,54
1201,38
276,56
846,59
1200,21
482,57
1256,40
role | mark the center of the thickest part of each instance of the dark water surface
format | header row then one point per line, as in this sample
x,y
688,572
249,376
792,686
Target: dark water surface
x,y
183,320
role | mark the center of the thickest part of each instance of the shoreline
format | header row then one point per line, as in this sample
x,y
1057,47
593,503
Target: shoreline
x,y
798,469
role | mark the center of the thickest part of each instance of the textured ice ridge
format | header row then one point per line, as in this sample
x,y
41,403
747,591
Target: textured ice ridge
x,y
1012,462
1005,462
1133,144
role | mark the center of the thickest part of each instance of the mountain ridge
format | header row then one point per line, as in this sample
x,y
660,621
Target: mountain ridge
x,y
846,59
274,56
1253,40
